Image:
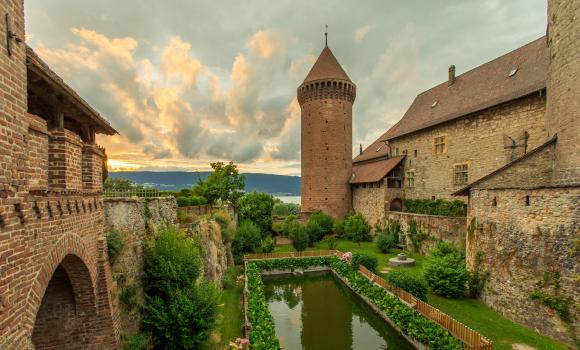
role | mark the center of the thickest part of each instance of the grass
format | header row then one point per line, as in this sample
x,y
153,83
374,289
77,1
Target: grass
x,y
229,322
471,312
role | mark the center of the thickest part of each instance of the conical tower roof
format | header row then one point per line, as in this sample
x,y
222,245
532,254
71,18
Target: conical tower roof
x,y
326,67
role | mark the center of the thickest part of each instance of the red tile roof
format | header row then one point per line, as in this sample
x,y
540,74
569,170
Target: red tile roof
x,y
326,67
483,87
375,171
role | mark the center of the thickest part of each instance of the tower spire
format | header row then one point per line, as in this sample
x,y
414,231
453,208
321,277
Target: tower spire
x,y
326,36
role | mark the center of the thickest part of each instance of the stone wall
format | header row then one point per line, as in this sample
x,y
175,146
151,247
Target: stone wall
x,y
370,203
216,255
445,228
477,140
134,214
521,240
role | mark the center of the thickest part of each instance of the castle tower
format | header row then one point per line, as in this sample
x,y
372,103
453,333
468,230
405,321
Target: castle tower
x,y
326,97
563,87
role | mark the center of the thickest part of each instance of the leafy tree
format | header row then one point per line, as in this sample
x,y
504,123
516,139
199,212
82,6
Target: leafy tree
x,y
388,236
225,184
283,209
178,311
105,167
247,239
290,221
257,207
120,184
356,228
267,245
338,228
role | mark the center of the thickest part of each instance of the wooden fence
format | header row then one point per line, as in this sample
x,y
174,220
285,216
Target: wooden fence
x,y
468,336
285,255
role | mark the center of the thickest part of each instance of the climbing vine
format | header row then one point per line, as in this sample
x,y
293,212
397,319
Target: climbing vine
x,y
548,293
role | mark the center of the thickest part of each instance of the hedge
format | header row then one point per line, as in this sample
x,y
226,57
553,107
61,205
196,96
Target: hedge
x,y
407,319
435,207
189,201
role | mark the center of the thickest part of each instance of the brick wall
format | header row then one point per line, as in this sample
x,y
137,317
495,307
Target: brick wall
x,y
477,141
326,152
563,84
42,230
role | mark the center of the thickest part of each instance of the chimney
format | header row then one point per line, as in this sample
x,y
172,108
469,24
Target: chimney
x,y
451,75
360,151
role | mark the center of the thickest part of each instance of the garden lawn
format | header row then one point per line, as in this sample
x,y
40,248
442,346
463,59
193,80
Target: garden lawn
x,y
472,313
229,322
483,319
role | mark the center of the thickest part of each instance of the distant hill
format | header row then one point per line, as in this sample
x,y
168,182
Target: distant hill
x,y
176,180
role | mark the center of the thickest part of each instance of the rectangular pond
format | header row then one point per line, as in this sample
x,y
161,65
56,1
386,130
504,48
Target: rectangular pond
x,y
316,311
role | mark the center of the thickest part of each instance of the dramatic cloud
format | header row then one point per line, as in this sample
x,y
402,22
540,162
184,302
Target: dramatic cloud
x,y
188,82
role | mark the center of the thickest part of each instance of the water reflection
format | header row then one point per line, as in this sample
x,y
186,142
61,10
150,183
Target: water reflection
x,y
316,312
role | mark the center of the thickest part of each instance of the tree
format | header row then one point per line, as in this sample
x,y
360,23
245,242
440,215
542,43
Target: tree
x,y
257,207
105,166
356,228
297,233
225,184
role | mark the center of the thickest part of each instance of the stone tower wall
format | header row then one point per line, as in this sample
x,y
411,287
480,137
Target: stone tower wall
x,y
326,146
563,104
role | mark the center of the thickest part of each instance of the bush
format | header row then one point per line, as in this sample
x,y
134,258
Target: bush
x,y
289,222
267,245
325,221
367,260
247,239
278,228
136,342
356,228
446,275
178,311
284,209
331,242
416,235
314,231
388,236
338,228
257,206
443,248
229,277
189,201
435,207
115,244
297,233
409,282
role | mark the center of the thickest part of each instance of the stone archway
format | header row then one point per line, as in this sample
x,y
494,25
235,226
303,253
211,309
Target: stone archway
x,y
396,205
68,311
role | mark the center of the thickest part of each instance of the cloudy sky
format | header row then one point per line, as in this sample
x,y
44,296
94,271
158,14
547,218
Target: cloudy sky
x,y
187,82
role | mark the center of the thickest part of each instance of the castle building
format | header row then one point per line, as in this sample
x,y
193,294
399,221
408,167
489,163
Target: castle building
x,y
55,284
504,139
326,97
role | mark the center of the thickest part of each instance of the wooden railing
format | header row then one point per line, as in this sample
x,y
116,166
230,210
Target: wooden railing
x,y
468,336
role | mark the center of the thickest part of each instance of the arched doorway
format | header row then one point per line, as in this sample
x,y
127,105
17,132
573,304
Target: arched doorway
x,y
396,205
67,315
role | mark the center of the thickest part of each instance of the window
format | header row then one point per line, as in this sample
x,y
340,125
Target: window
x,y
397,151
415,153
461,174
411,178
439,145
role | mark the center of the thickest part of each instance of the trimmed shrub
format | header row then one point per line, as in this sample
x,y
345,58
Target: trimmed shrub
x,y
331,242
338,228
314,231
409,282
267,245
115,244
297,233
257,207
189,201
246,240
325,221
367,260
446,275
442,207
178,312
356,228
385,242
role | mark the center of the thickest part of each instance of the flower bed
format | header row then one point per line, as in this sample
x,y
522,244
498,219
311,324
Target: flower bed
x,y
412,323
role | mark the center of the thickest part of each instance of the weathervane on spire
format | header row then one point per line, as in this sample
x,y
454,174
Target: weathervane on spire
x,y
326,36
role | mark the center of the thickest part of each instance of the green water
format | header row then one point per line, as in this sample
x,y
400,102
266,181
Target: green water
x,y
317,312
